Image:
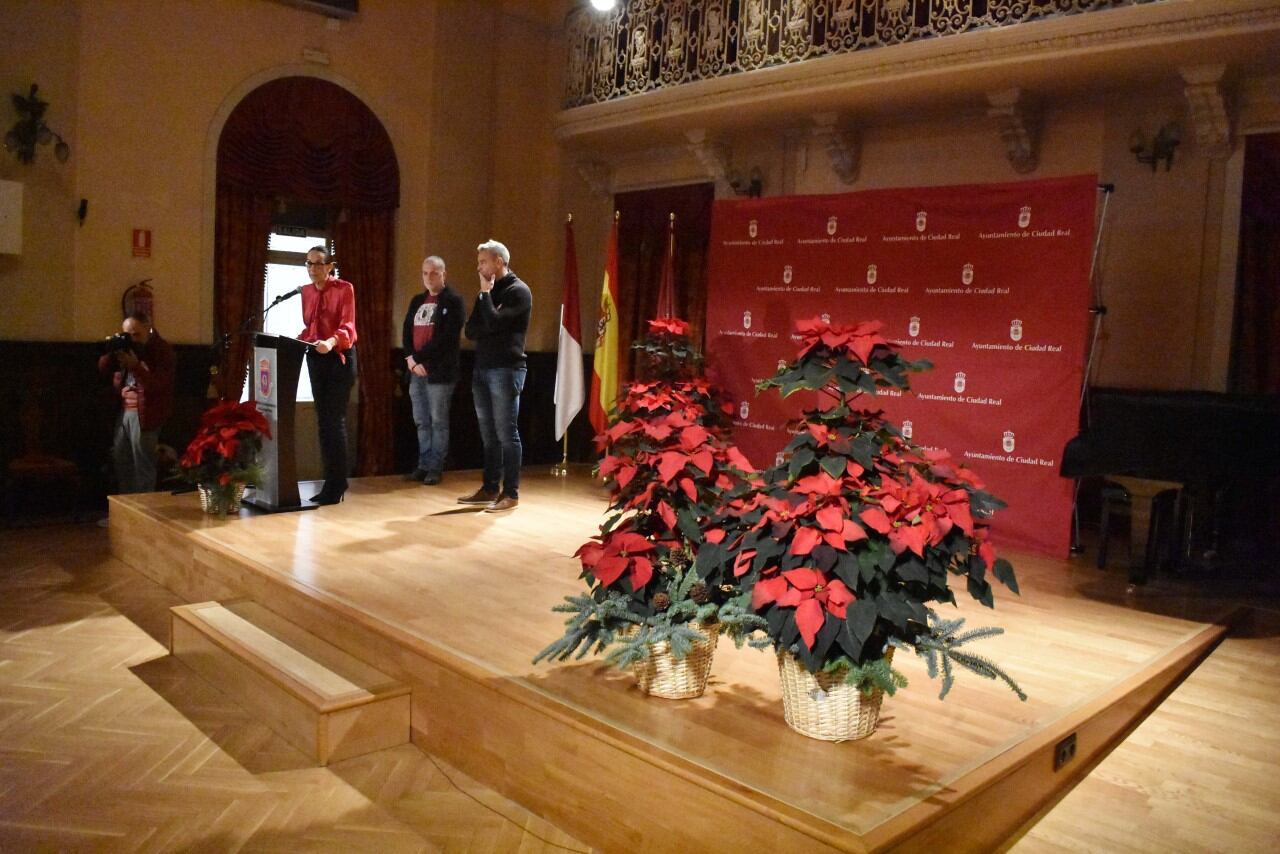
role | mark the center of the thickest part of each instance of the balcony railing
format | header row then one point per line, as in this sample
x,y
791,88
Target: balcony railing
x,y
647,45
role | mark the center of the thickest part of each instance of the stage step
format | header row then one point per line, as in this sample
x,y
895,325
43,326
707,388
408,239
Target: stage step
x,y
326,703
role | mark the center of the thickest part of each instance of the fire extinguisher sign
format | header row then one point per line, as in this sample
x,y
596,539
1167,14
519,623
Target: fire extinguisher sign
x,y
142,243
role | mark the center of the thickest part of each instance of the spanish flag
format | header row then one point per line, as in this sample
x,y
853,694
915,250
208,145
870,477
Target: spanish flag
x,y
604,372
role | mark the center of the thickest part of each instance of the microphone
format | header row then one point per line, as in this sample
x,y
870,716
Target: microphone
x,y
293,293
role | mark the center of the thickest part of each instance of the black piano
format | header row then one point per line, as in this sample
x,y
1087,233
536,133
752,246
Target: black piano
x,y
1220,449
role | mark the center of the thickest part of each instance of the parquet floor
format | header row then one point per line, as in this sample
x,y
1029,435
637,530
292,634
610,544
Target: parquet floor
x,y
107,744
1198,775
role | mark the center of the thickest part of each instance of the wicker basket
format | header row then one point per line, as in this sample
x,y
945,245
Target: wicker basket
x,y
218,500
662,675
823,705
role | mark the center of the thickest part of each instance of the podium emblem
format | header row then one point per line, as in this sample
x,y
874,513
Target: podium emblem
x,y
826,318
264,377
871,274
959,383
744,409
831,226
786,275
752,228
777,461
1015,330
1024,216
922,220
746,320
913,327
966,274
907,429
1007,444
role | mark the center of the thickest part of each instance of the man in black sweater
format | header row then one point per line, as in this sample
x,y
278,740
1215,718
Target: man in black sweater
x,y
432,327
498,323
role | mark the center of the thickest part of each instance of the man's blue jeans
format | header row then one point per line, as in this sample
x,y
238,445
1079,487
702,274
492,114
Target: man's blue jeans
x,y
431,415
134,452
497,396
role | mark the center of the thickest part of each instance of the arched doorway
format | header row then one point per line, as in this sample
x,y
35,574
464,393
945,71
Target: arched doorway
x,y
307,142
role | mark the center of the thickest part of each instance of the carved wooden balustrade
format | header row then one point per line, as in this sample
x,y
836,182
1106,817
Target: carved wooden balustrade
x,y
647,45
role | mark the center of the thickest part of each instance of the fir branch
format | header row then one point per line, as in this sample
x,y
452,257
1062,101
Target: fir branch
x,y
940,646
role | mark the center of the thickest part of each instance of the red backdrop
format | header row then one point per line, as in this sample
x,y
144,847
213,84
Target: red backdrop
x,y
988,282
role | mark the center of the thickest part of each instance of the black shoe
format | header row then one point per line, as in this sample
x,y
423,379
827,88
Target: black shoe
x,y
431,478
417,475
324,497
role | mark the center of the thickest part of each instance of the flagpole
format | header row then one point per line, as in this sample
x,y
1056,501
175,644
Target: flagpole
x,y
562,468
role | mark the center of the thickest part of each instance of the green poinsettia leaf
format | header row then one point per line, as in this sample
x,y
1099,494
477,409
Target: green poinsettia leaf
x,y
801,458
861,619
711,557
687,521
913,569
864,449
847,569
981,591
834,465
1003,571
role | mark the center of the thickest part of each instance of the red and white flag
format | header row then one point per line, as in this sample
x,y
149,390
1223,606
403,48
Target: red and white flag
x,y
570,392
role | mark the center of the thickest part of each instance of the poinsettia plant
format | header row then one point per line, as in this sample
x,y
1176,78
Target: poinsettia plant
x,y
669,463
844,545
226,445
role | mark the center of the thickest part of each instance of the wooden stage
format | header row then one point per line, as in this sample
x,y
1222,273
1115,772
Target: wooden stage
x,y
456,603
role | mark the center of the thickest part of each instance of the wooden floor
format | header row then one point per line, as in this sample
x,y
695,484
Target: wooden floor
x,y
108,744
1198,775
460,580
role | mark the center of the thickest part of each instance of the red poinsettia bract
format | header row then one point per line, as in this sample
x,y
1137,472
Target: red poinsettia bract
x,y
810,592
619,552
669,326
858,340
223,429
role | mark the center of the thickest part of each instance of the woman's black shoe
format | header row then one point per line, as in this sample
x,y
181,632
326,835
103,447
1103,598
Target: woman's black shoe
x,y
323,497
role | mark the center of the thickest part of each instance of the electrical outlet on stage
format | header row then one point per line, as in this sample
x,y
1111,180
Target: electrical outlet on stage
x,y
1064,752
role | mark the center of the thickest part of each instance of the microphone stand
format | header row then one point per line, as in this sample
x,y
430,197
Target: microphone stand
x,y
1098,312
248,322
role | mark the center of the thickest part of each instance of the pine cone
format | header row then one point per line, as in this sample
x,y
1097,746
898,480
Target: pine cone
x,y
661,602
699,593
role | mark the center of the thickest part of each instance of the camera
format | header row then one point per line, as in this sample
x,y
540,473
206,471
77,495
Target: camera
x,y
117,343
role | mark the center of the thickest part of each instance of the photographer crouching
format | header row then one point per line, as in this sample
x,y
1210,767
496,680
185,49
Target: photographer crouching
x,y
141,364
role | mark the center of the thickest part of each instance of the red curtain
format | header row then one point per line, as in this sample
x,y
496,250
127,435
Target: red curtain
x,y
243,221
642,246
310,141
1256,357
363,251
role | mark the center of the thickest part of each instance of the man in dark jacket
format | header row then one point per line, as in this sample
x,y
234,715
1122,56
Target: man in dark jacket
x,y
143,374
432,328
498,323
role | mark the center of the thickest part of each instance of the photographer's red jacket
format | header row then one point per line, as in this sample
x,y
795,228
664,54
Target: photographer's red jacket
x,y
153,381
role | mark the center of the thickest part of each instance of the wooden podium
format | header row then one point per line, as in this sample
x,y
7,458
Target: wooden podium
x,y
274,371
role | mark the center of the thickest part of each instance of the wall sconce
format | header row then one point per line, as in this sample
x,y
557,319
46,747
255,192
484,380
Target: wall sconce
x,y
1160,148
752,185
30,129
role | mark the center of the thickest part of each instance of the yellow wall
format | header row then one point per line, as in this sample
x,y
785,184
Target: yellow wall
x,y
37,288
468,93
141,90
